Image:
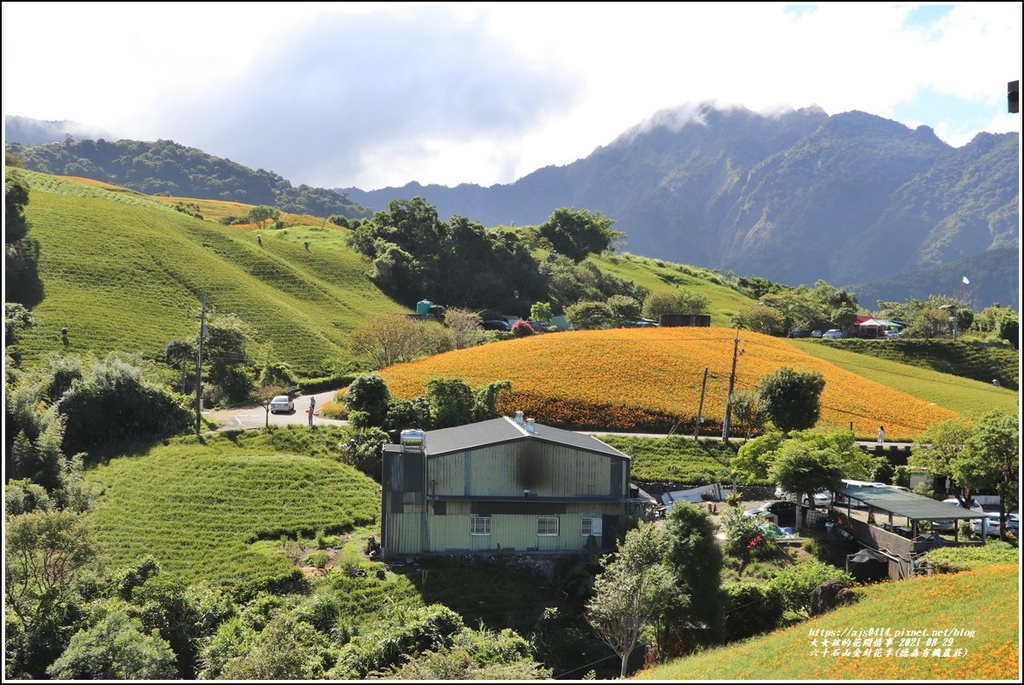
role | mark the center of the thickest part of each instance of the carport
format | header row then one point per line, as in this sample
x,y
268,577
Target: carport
x,y
900,542
892,503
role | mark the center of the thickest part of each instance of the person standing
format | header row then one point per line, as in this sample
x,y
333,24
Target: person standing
x,y
881,434
312,408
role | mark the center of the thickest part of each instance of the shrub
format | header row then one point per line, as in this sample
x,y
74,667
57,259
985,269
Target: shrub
x,y
751,609
318,559
796,583
521,329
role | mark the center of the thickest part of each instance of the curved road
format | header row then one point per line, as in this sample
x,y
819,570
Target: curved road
x,y
255,416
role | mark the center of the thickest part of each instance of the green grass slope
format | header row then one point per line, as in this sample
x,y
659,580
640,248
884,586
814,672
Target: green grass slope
x,y
657,275
962,395
200,509
124,272
975,614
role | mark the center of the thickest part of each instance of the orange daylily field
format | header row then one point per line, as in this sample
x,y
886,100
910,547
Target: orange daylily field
x,y
629,379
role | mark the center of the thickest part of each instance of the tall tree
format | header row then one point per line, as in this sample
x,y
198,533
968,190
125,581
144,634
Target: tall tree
x,y
937,449
792,399
634,589
696,559
991,459
577,233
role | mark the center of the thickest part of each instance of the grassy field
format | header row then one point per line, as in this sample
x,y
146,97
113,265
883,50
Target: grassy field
x,y
962,395
218,510
122,271
982,604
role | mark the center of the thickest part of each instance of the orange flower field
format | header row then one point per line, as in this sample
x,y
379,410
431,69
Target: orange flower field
x,y
634,379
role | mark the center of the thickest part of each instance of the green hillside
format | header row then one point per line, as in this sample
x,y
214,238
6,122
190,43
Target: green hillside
x,y
125,272
982,604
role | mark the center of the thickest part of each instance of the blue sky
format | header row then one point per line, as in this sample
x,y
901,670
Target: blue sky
x,y
381,94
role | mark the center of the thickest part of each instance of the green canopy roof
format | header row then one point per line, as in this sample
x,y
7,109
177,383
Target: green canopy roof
x,y
901,503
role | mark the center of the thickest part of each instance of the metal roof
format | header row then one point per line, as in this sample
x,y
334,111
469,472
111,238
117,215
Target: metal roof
x,y
908,504
503,429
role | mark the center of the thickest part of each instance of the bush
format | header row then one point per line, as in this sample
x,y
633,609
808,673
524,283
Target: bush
x,y
751,609
318,559
747,537
796,583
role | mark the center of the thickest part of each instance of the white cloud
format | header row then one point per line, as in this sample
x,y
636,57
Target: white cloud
x,y
373,94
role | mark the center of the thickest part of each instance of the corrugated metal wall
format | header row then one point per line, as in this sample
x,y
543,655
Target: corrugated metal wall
x,y
418,517
546,470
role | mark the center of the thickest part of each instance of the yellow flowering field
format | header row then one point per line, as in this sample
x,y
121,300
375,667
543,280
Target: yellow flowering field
x,y
639,378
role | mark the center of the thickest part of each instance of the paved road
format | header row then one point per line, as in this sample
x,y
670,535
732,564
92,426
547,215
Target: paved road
x,y
255,416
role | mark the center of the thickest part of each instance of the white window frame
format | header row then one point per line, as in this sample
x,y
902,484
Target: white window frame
x,y
590,525
479,525
541,530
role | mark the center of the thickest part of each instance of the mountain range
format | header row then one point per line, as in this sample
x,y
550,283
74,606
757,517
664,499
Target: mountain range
x,y
862,202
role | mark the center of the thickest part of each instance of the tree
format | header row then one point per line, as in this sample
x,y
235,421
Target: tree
x,y
16,319
114,404
464,326
577,233
451,402
15,199
634,589
760,319
755,460
387,339
45,551
182,353
696,559
485,404
369,395
937,449
792,399
674,302
748,412
116,648
801,469
991,459
262,214
589,315
265,395
625,309
541,311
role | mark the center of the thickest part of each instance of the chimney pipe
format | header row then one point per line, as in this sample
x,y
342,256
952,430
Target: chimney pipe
x,y
530,428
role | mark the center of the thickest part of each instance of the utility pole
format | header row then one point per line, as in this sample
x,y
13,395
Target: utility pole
x,y
700,408
732,381
199,370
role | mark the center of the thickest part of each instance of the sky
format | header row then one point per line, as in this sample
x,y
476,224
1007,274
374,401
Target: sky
x,y
369,95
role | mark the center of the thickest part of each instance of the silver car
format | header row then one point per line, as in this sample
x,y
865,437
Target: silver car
x,y
281,403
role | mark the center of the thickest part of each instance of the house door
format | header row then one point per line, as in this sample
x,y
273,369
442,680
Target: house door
x,y
609,530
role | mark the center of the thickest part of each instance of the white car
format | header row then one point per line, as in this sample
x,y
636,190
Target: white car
x,y
833,333
950,524
1012,524
281,403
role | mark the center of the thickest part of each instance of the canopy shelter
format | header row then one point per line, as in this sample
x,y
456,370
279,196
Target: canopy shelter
x,y
876,327
915,508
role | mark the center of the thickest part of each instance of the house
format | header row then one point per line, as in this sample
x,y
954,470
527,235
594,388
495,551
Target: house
x,y
503,485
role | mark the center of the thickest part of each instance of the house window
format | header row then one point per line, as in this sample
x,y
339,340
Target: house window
x,y
547,525
479,525
590,526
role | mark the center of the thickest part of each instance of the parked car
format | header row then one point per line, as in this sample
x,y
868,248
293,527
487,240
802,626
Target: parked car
x,y
1012,524
496,325
281,403
821,499
832,333
950,524
892,334
816,333
783,510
